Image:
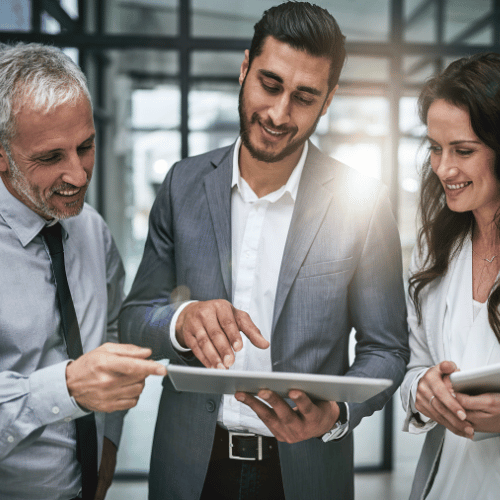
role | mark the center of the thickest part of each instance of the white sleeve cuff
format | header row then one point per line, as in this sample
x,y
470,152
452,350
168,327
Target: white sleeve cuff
x,y
413,398
49,396
173,322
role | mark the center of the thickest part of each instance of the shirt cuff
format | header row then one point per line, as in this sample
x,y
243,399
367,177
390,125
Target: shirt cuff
x,y
49,396
173,322
413,397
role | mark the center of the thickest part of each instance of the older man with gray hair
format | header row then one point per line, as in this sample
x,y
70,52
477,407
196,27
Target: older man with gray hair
x,y
63,377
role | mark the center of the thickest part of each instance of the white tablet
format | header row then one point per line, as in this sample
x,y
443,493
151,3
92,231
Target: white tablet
x,y
477,380
325,387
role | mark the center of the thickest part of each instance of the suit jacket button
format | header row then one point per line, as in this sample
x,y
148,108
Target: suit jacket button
x,y
210,406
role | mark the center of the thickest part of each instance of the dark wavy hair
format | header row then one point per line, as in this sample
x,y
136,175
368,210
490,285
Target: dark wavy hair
x,y
303,26
472,84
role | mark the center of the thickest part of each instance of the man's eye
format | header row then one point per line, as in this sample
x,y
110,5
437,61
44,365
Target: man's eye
x,y
49,159
84,149
270,88
304,100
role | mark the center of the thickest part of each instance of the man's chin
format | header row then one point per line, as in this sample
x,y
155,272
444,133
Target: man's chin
x,y
272,156
66,212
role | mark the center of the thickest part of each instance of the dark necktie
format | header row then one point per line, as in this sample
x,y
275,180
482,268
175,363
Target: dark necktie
x,y
86,436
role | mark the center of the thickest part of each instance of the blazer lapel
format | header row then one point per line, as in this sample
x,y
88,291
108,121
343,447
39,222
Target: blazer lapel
x,y
436,304
311,205
218,191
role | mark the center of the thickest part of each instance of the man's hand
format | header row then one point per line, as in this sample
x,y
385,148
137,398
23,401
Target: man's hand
x,y
111,377
436,399
483,411
305,421
211,329
106,469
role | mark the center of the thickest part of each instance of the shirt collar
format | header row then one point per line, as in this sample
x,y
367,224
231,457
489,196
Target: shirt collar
x,y
21,219
292,184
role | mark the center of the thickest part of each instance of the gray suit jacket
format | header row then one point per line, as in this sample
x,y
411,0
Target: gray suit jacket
x,y
341,269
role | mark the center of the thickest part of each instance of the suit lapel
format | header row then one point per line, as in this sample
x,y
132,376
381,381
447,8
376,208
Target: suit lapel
x,y
434,320
218,192
310,208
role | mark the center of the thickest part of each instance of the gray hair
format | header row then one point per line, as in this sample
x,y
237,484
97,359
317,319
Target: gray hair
x,y
37,74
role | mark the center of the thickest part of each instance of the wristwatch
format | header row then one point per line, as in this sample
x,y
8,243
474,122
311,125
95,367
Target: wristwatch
x,y
341,425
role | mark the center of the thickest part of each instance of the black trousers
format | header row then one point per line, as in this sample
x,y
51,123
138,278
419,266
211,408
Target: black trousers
x,y
230,479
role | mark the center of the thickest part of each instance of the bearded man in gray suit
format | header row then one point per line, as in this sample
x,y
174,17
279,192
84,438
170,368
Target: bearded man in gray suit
x,y
283,251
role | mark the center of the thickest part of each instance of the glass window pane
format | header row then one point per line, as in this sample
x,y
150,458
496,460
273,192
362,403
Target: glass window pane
x,y
148,66
421,27
359,115
49,24
15,15
155,147
142,17
214,120
365,68
462,15
411,157
226,18
362,20
71,7
409,121
226,64
144,105
417,69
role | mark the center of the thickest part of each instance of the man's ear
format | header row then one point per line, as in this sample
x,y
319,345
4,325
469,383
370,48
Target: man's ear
x,y
329,100
4,160
244,66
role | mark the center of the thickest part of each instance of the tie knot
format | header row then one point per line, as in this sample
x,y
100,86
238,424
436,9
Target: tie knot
x,y
53,237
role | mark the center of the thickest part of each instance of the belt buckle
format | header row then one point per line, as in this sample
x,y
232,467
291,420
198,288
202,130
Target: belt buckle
x,y
259,445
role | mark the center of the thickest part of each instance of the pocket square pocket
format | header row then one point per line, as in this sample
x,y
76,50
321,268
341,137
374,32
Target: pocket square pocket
x,y
324,268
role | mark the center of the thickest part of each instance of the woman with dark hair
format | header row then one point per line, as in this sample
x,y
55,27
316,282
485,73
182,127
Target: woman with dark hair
x,y
454,290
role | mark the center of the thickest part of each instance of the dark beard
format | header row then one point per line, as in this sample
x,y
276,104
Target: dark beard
x,y
264,156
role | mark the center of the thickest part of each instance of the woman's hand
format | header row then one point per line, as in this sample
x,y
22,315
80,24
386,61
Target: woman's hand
x,y
436,399
483,411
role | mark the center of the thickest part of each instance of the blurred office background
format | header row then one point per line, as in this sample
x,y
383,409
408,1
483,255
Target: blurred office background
x,y
164,80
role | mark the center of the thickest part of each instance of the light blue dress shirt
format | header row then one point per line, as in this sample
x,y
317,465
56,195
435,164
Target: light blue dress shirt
x,y
37,430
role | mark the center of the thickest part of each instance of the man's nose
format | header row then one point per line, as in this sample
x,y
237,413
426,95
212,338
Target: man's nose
x,y
279,112
75,172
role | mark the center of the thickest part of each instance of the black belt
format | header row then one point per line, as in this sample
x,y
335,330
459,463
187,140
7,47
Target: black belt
x,y
243,446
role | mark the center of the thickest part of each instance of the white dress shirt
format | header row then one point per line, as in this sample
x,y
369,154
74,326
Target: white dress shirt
x,y
259,228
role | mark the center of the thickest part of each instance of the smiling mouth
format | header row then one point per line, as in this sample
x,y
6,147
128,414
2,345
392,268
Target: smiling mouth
x,y
68,192
458,186
275,133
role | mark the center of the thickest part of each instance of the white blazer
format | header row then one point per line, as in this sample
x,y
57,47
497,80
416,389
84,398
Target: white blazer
x,y
427,346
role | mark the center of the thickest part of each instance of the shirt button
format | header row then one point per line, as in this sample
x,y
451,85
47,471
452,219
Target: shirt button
x,y
10,439
210,406
68,419
55,410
